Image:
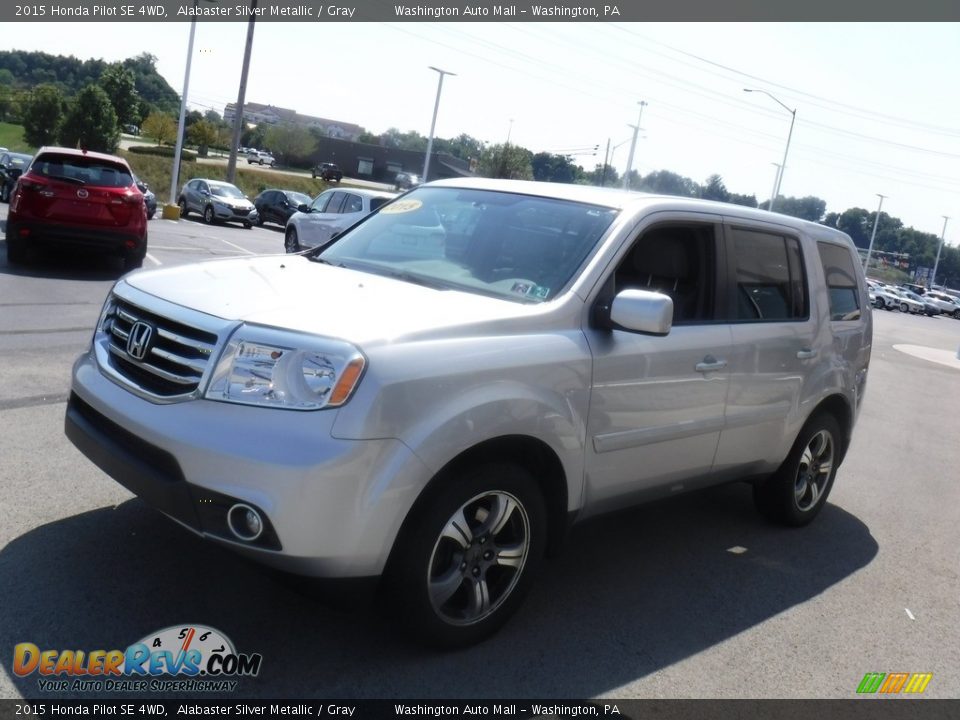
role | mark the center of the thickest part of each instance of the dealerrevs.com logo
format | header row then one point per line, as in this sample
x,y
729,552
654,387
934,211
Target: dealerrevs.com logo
x,y
181,658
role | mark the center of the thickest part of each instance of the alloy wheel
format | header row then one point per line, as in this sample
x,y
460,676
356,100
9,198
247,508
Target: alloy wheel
x,y
478,558
813,472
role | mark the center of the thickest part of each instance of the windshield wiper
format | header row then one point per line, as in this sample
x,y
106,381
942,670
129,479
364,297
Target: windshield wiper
x,y
65,178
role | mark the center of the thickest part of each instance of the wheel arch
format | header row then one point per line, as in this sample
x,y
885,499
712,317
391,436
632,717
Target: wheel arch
x,y
839,408
532,454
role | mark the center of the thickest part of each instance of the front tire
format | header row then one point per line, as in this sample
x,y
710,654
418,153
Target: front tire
x,y
795,494
291,243
879,304
208,215
467,555
904,308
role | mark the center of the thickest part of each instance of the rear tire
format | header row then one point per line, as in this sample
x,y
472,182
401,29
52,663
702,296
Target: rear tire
x,y
183,207
291,243
879,304
467,556
16,251
5,193
798,490
133,262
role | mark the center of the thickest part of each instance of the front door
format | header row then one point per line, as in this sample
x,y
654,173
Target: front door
x,y
657,404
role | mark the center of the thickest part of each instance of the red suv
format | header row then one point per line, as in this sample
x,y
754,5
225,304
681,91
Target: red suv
x,y
79,199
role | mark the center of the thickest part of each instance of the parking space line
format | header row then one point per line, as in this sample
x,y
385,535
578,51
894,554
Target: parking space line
x,y
152,259
243,250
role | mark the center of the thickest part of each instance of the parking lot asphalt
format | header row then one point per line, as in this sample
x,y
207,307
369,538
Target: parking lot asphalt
x,y
649,603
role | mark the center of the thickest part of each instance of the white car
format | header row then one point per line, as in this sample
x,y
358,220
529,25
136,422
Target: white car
x,y
907,301
948,305
261,158
884,298
331,212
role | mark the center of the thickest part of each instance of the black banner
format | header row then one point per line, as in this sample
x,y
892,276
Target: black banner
x,y
856,709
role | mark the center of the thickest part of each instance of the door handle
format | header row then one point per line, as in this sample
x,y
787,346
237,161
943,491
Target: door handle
x,y
807,354
710,364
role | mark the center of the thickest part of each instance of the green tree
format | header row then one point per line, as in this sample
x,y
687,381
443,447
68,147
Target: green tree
x,y
555,168
806,208
161,127
291,142
669,183
91,122
715,189
506,161
120,85
746,200
203,134
604,176
42,115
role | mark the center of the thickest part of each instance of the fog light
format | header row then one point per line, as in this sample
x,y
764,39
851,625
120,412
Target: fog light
x,y
245,522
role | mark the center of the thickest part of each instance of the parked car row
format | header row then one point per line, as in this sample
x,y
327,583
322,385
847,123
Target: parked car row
x,y
906,300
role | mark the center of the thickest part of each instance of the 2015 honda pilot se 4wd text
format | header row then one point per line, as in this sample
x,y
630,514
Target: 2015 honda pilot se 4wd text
x,y
431,399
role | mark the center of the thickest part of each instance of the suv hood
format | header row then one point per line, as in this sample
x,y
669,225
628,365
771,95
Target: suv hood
x,y
292,292
236,203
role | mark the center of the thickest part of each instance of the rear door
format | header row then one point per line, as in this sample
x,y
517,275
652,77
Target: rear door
x,y
776,344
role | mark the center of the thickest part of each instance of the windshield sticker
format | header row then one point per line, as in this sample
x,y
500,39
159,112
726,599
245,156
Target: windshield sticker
x,y
401,206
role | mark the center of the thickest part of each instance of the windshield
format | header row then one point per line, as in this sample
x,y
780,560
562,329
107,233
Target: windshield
x,y
517,247
225,191
297,199
82,170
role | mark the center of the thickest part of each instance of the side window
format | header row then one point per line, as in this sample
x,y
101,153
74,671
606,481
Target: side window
x,y
336,202
353,204
841,281
771,284
678,261
320,204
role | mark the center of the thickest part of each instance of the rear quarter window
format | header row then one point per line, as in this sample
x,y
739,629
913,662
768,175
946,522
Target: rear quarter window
x,y
841,280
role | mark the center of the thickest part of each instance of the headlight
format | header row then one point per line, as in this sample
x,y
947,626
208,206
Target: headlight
x,y
285,370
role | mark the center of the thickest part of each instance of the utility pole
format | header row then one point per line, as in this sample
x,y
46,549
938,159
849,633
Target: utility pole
x,y
433,123
933,279
633,146
241,96
876,221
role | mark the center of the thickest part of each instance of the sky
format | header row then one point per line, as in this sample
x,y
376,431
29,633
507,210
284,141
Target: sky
x,y
877,107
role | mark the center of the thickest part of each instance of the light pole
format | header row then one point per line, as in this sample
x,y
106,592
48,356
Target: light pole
x,y
876,221
933,279
509,131
783,165
433,123
241,96
169,212
633,146
776,178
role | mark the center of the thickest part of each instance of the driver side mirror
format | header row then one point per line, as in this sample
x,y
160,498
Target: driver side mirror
x,y
303,207
642,311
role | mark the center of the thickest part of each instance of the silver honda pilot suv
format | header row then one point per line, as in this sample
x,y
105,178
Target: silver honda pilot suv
x,y
428,402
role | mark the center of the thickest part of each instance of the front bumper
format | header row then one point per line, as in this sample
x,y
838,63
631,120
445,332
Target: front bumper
x,y
227,214
333,507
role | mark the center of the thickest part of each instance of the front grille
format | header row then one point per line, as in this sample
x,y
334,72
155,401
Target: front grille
x,y
176,354
241,211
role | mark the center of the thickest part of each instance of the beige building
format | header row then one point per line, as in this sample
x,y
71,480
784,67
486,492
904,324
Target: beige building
x,y
255,113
